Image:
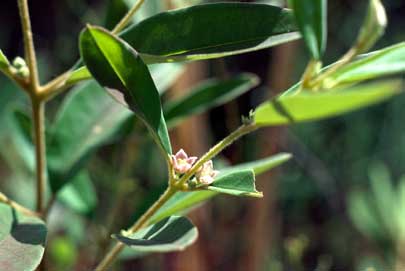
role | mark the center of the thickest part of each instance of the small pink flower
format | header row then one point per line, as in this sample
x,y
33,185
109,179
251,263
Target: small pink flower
x,y
206,174
181,162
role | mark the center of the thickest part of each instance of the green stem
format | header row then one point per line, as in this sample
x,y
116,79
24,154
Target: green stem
x,y
38,113
310,71
339,64
173,188
18,207
29,49
125,20
113,253
59,84
48,207
241,131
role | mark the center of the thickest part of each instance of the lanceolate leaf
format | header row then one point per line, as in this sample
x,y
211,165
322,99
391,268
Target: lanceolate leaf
x,y
173,233
163,75
183,201
3,61
79,194
207,95
239,183
22,240
387,61
259,166
78,75
390,60
17,147
87,119
210,31
373,26
364,217
311,18
118,67
307,106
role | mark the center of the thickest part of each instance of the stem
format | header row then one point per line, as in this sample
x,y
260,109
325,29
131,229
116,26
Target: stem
x,y
125,20
59,84
29,49
339,64
18,207
113,253
10,72
173,188
55,86
241,131
48,207
38,111
310,71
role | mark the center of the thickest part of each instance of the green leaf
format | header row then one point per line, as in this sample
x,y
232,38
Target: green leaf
x,y
240,183
401,206
307,106
363,216
384,196
209,94
183,201
373,26
116,10
387,61
259,166
86,120
174,233
164,75
118,67
78,75
4,63
311,16
16,146
79,194
22,240
210,31
384,62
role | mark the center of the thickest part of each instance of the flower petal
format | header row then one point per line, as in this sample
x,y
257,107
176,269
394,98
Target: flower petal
x,y
191,160
181,154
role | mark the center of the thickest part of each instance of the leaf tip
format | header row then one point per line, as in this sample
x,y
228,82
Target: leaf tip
x,y
285,156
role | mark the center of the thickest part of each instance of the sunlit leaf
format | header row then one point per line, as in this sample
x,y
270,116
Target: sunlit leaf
x,y
164,75
210,31
174,233
387,61
4,63
119,69
237,183
22,240
307,106
183,201
373,26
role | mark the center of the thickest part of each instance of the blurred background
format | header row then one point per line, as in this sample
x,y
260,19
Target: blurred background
x,y
339,204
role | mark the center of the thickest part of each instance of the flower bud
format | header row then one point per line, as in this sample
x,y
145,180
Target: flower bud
x,y
206,174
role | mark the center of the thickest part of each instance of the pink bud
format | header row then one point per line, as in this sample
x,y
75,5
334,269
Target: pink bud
x,y
206,174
